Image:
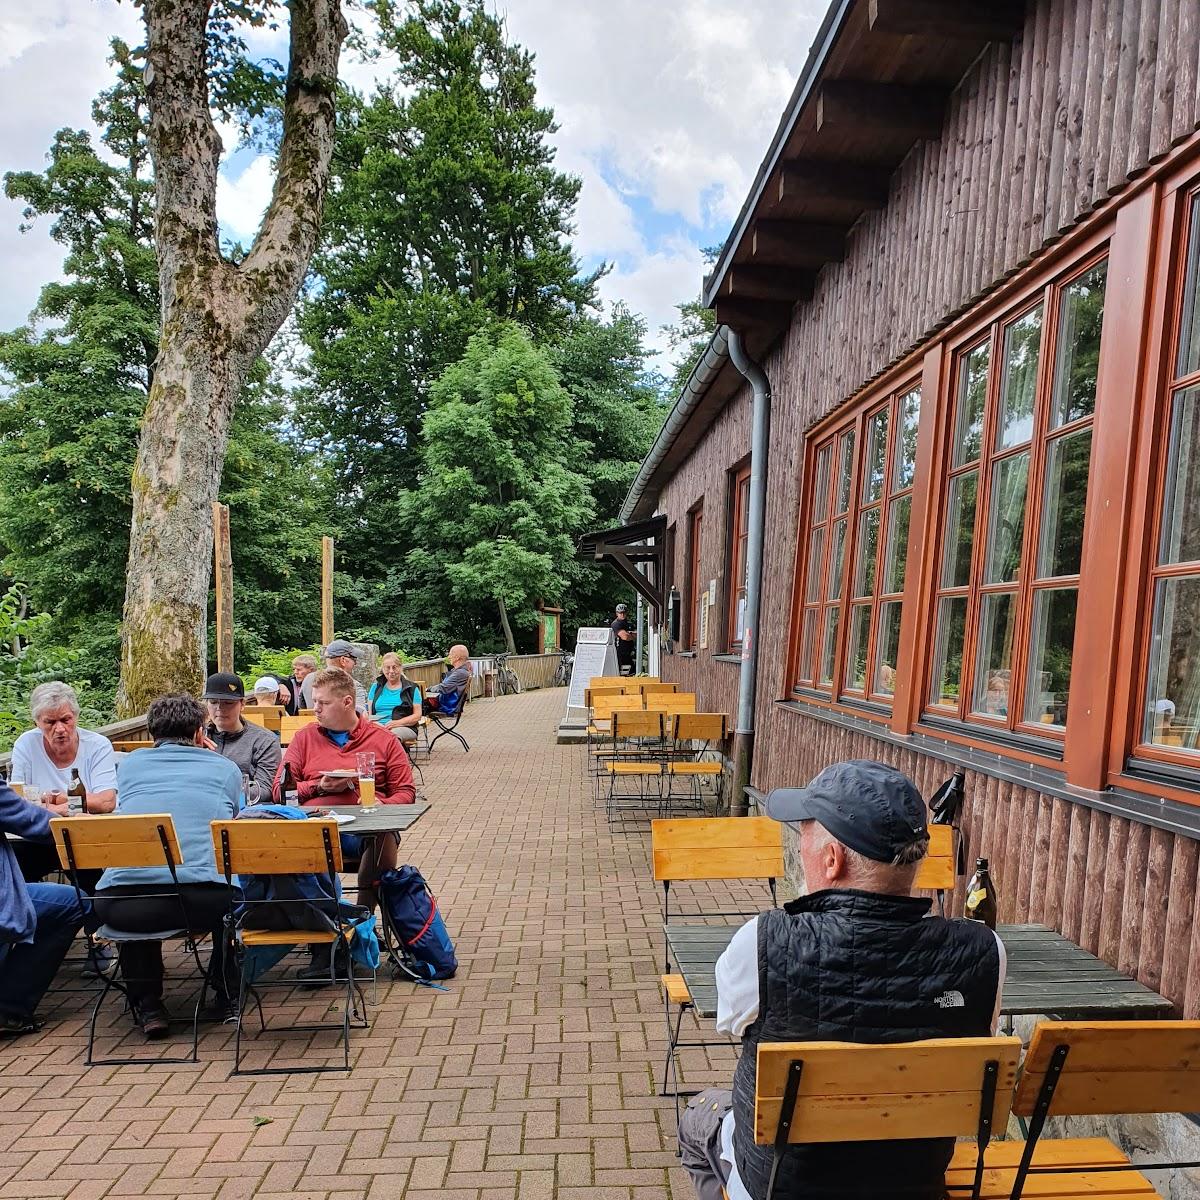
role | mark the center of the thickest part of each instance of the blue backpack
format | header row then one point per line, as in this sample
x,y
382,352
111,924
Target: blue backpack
x,y
425,948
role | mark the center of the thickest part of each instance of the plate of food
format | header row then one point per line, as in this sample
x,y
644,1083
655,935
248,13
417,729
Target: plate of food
x,y
343,773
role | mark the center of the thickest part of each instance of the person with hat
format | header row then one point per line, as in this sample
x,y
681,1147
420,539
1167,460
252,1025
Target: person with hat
x,y
857,958
252,749
339,655
624,637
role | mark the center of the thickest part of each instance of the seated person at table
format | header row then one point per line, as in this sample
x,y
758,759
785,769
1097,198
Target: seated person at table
x,y
38,921
269,692
339,655
443,697
856,959
178,775
252,749
303,665
393,701
45,757
332,743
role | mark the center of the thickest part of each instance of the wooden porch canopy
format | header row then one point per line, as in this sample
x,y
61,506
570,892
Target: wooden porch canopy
x,y
629,548
876,82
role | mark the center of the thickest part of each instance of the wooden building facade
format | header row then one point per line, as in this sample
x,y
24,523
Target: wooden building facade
x,y
970,268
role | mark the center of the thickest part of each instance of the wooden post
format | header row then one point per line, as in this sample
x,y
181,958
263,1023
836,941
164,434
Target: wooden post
x,y
326,590
223,585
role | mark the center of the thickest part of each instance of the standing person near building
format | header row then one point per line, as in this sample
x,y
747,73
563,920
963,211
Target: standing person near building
x,y
625,637
856,959
251,748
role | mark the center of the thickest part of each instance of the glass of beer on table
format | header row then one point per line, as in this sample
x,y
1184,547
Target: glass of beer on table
x,y
366,778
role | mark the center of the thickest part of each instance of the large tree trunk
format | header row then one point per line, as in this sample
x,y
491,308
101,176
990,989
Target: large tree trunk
x,y
508,633
217,318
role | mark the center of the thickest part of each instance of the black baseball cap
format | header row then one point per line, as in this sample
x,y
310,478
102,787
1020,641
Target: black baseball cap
x,y
866,805
224,685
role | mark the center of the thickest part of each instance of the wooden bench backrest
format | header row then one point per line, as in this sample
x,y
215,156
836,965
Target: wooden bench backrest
x,y
606,705
128,745
591,695
655,687
854,1093
936,872
289,726
1114,1067
717,848
676,702
635,723
699,727
607,681
114,840
268,847
255,716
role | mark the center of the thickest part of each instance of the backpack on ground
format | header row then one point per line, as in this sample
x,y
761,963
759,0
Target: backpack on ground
x,y
425,949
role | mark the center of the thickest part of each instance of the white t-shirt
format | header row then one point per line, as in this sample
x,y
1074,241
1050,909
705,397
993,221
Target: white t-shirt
x,y
737,1010
93,760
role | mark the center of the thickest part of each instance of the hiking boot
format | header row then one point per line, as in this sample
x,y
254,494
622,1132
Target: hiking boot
x,y
15,1024
153,1019
317,973
220,1011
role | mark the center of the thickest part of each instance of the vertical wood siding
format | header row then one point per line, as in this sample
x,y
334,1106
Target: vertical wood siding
x,y
1037,135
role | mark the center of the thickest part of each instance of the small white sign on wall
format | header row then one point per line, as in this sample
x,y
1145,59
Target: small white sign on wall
x,y
704,607
712,591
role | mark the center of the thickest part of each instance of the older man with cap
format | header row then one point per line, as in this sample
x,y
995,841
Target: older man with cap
x,y
339,655
855,959
255,751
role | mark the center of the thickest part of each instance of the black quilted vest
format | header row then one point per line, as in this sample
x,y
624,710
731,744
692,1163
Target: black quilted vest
x,y
849,966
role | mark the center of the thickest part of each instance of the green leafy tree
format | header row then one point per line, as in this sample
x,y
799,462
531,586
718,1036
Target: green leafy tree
x,y
690,334
498,495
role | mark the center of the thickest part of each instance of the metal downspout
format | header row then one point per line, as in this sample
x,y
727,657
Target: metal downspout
x,y
760,437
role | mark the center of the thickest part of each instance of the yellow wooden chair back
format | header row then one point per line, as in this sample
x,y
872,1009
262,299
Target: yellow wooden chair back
x,y
655,687
1113,1067
618,681
936,872
116,840
290,726
605,706
635,723
275,847
255,716
852,1093
716,848
676,702
591,695
128,745
700,727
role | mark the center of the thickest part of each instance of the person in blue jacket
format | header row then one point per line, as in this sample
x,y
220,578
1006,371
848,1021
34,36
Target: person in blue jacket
x,y
38,921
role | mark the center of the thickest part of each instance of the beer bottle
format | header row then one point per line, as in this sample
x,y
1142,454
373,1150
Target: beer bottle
x,y
77,792
981,896
287,785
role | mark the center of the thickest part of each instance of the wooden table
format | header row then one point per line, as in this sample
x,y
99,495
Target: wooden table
x,y
1047,974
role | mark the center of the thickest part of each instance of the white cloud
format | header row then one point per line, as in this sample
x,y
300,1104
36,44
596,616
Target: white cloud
x,y
241,202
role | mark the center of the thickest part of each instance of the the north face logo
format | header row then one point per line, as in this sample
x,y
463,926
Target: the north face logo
x,y
951,1000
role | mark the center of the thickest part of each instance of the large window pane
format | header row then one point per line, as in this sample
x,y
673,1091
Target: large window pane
x,y
1189,326
868,550
816,547
896,558
1181,508
1018,385
887,648
972,397
838,560
821,490
845,471
1080,316
948,650
960,530
1051,642
1006,519
905,461
1063,497
1173,704
875,467
993,663
806,643
828,646
860,634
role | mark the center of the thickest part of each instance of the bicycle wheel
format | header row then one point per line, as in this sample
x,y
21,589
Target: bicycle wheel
x,y
512,682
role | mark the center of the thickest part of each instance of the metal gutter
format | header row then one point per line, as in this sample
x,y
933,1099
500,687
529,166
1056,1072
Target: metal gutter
x,y
827,34
709,366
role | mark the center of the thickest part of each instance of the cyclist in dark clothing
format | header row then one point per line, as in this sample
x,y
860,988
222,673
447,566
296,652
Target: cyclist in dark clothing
x,y
624,637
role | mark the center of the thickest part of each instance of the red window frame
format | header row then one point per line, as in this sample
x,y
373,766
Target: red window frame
x,y
695,532
739,537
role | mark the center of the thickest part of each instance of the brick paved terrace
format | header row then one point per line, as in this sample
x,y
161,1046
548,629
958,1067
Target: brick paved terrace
x,y
532,1076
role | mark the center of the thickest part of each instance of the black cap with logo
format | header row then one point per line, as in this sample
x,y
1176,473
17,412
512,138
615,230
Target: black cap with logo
x,y
866,805
224,685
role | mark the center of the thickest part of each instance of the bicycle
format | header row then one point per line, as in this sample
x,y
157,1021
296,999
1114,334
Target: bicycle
x,y
507,683
562,673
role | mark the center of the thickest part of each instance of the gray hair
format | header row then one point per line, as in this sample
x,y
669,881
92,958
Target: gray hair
x,y
896,874
304,660
47,697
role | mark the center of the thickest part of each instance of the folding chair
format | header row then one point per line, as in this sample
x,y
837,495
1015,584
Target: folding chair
x,y
266,847
290,726
673,703
813,1092
700,849
88,843
634,756
591,695
447,722
688,764
599,727
1097,1068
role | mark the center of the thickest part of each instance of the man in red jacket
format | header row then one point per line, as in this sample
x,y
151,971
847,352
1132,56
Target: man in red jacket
x,y
332,743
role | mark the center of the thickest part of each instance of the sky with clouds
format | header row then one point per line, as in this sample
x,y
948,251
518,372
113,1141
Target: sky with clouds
x,y
665,110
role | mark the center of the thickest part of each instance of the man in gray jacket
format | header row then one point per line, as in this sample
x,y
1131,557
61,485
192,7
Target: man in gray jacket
x,y
255,751
342,656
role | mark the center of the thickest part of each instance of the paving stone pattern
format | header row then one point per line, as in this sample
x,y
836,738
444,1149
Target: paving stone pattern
x,y
533,1076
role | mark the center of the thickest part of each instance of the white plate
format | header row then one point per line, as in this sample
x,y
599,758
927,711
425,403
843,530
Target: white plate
x,y
342,818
